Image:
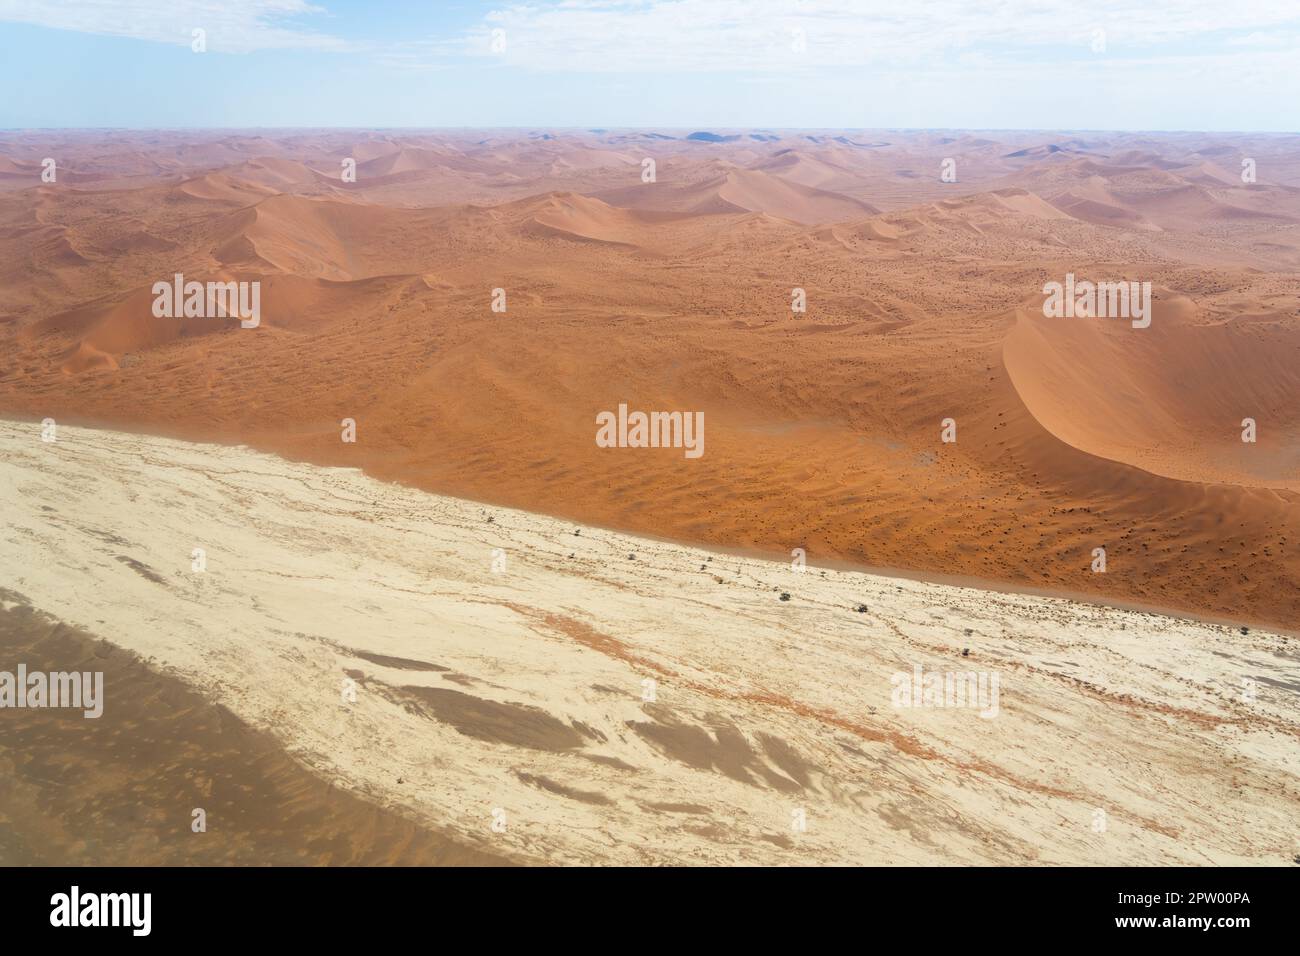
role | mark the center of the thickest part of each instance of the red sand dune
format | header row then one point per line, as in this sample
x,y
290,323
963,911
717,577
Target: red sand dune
x,y
823,428
1172,401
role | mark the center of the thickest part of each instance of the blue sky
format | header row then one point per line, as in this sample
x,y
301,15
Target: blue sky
x,y
1059,64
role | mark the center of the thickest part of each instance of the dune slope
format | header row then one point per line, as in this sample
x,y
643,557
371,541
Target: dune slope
x,y
611,699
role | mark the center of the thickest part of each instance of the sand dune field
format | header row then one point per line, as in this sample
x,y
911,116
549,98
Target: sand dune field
x,y
824,427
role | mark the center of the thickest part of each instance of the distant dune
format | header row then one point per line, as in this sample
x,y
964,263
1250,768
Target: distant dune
x,y
674,291
733,190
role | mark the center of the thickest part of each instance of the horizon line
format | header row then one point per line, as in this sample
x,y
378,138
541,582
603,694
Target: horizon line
x,y
597,128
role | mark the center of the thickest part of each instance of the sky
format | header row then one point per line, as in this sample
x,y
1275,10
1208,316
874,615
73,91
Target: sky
x,y
699,64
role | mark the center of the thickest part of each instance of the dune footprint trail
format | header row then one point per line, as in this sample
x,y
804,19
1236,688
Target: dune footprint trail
x,y
604,698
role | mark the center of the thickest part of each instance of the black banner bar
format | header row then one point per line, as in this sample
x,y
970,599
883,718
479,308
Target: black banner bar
x,y
333,906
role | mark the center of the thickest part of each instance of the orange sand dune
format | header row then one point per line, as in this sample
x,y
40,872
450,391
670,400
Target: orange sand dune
x,y
823,427
221,188
1125,193
279,174
327,238
403,160
101,334
572,216
1171,402
733,190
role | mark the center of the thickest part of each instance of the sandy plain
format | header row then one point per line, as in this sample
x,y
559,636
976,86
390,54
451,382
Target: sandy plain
x,y
499,661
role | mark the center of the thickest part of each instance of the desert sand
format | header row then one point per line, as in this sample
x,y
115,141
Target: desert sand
x,y
121,790
823,428
498,664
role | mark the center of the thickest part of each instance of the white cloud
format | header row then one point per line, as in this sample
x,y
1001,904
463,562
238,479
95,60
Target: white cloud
x,y
232,26
759,35
1274,41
